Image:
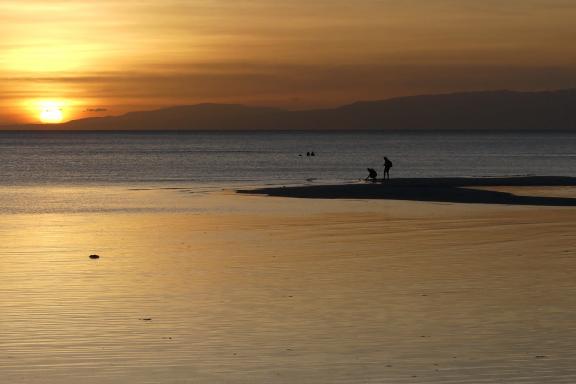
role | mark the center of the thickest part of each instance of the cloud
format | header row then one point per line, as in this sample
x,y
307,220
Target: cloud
x,y
245,82
323,52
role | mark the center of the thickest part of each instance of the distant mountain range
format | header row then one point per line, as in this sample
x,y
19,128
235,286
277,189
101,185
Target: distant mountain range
x,y
551,110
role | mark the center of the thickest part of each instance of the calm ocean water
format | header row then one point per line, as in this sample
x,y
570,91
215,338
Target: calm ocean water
x,y
223,159
214,288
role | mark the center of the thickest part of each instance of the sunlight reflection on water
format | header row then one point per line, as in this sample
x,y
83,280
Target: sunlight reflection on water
x,y
311,293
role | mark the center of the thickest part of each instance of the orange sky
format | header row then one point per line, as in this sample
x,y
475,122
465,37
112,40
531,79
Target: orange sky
x,y
98,57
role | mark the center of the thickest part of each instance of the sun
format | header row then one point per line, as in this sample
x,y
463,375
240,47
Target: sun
x,y
51,112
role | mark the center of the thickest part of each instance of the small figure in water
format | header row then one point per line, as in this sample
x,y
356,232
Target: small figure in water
x,y
387,166
312,153
372,175
308,154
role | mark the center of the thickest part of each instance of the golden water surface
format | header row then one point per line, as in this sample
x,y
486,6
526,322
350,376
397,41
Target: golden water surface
x,y
221,288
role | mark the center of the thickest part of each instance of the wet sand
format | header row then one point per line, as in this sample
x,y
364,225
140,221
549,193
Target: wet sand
x,y
454,190
239,288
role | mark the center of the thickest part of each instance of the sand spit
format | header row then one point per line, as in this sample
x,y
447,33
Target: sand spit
x,y
454,189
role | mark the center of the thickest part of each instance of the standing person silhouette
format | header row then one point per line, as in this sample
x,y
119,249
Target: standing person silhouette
x,y
387,166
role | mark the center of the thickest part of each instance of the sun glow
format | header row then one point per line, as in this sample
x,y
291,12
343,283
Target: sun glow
x,y
51,112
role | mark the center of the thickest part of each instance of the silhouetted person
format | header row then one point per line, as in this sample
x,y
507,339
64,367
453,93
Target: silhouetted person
x,y
308,154
312,153
387,166
372,175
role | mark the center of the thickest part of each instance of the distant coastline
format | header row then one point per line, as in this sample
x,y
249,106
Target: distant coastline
x,y
489,110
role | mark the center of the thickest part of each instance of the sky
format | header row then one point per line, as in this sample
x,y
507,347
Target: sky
x,y
69,59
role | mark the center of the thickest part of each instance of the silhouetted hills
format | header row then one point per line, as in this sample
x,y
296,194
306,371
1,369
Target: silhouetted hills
x,y
188,117
473,110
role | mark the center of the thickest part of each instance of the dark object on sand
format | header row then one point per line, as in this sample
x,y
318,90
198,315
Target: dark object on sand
x,y
372,175
94,257
146,319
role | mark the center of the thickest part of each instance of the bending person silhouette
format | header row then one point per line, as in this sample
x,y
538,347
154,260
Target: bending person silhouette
x,y
372,175
387,166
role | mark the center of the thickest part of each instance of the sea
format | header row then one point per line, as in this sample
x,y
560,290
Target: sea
x,y
197,284
224,159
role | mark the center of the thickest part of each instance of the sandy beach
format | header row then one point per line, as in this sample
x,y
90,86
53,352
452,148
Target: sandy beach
x,y
239,288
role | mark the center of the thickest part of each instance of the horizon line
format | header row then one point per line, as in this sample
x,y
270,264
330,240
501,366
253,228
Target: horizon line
x,y
282,109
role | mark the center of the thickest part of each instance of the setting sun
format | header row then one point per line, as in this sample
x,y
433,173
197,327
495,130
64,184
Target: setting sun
x,y
51,112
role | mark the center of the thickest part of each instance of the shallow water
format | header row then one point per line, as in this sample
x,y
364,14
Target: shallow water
x,y
242,289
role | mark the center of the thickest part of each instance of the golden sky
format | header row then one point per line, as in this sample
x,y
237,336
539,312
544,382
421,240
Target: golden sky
x,y
98,57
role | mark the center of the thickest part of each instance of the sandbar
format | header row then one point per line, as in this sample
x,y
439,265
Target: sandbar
x,y
470,190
